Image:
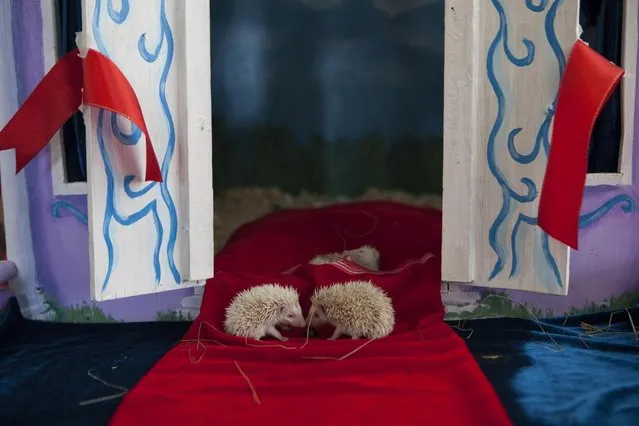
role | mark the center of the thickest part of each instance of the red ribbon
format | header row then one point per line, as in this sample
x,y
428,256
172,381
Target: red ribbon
x,y
586,86
93,81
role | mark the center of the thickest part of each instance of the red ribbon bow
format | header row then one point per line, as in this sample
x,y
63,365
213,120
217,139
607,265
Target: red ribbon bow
x,y
586,86
93,81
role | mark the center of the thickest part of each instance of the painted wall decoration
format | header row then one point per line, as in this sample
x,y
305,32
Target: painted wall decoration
x,y
315,102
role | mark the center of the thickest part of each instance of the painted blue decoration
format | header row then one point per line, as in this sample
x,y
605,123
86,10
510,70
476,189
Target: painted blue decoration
x,y
61,204
536,7
496,234
522,219
132,138
118,16
111,213
122,137
167,34
133,193
503,29
543,138
627,203
511,198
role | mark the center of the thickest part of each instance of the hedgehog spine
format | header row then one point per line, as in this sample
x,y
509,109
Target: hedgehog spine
x,y
254,312
356,308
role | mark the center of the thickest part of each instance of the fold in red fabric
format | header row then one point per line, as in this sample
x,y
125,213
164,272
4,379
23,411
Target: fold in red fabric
x,y
423,374
95,81
588,81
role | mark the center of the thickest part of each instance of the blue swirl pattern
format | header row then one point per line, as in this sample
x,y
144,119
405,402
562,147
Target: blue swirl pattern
x,y
496,233
62,204
627,203
511,198
132,137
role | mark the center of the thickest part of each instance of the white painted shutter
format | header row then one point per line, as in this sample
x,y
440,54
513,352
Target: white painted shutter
x,y
151,237
503,64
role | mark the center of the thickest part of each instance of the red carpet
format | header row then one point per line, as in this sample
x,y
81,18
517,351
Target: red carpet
x,y
423,374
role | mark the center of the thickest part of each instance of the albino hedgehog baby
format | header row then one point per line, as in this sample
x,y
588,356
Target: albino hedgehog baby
x,y
365,256
256,311
356,308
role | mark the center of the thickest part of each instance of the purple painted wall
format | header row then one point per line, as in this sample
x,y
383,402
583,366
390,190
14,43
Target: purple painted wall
x,y
607,263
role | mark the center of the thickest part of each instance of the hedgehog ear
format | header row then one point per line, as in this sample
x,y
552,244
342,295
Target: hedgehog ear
x,y
282,309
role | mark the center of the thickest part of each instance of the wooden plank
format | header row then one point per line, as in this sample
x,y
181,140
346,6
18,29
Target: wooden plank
x,y
461,69
139,232
195,96
628,89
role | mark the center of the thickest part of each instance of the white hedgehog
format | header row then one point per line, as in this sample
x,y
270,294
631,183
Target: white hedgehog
x,y
365,256
256,311
356,308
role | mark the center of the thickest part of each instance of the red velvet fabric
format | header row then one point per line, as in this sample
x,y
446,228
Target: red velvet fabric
x,y
423,374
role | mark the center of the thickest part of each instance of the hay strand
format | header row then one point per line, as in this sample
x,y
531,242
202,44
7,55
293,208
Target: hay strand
x,y
591,330
122,389
256,397
460,328
632,324
343,357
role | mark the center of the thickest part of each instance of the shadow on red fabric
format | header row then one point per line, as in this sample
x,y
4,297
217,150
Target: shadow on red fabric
x,y
423,374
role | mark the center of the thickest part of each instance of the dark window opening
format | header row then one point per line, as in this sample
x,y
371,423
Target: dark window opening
x,y
68,22
602,24
345,101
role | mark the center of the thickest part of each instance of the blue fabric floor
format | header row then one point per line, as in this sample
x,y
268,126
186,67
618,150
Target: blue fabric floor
x,y
561,376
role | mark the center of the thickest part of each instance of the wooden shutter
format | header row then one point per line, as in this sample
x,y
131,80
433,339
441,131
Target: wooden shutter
x,y
147,237
503,64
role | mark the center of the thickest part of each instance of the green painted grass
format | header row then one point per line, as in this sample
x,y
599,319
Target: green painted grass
x,y
490,307
501,306
81,313
170,315
624,300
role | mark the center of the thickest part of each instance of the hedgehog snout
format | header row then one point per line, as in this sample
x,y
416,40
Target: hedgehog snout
x,y
298,321
315,319
294,318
